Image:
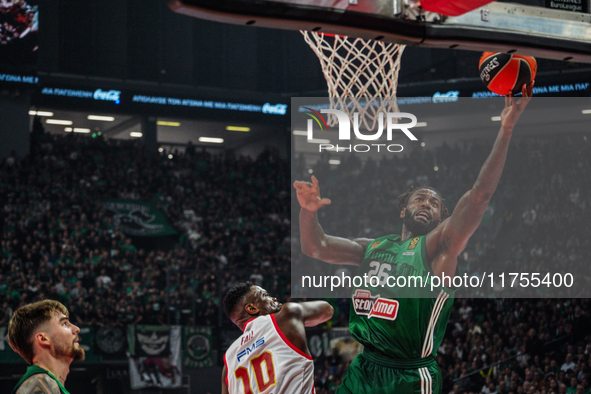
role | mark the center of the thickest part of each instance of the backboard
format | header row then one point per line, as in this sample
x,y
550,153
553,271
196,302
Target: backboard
x,y
501,27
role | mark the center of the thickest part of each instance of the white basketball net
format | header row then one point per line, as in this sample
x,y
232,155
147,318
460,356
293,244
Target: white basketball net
x,y
362,75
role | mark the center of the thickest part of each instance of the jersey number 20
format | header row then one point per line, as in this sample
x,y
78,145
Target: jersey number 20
x,y
263,382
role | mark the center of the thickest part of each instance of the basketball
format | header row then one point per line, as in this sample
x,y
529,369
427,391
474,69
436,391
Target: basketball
x,y
505,73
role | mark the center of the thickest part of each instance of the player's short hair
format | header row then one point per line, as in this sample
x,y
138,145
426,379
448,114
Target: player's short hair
x,y
403,199
234,296
26,320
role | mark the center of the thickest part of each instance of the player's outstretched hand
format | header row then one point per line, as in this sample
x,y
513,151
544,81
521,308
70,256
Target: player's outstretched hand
x,y
309,195
514,108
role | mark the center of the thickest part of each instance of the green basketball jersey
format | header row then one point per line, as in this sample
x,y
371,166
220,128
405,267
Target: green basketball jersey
x,y
395,312
33,370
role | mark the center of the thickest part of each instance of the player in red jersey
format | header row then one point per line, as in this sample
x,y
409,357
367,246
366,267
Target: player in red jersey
x,y
272,355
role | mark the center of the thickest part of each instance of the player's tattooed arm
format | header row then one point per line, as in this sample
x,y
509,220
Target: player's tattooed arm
x,y
39,384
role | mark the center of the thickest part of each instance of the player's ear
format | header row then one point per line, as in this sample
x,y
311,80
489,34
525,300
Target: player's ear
x,y
251,309
42,339
402,213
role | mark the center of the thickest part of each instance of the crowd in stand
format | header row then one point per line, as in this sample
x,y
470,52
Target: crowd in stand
x,y
505,346
233,217
233,214
538,217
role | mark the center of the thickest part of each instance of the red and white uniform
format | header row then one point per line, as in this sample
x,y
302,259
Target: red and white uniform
x,y
263,361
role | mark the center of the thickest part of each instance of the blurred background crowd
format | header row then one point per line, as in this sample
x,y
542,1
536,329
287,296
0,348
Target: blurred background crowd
x,y
232,214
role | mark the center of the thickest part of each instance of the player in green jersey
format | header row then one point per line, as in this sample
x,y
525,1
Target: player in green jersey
x,y
41,333
401,327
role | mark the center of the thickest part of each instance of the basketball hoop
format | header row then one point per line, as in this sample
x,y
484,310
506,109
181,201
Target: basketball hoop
x,y
362,75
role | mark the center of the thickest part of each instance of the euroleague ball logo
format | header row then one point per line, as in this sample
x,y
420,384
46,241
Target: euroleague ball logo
x,y
344,122
506,73
485,74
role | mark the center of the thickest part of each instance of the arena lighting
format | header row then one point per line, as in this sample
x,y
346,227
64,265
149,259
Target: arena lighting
x,y
334,162
101,118
160,150
170,156
58,121
135,134
237,128
40,113
68,129
496,118
166,123
212,140
423,144
318,141
81,130
586,111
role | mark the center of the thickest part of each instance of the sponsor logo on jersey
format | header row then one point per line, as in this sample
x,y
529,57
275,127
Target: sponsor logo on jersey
x,y
365,304
375,244
247,338
408,253
413,243
250,349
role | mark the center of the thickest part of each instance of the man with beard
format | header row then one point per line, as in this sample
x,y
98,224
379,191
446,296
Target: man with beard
x,y
401,326
272,354
41,333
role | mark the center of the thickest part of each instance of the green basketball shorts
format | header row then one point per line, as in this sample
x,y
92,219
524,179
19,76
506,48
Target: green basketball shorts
x,y
373,373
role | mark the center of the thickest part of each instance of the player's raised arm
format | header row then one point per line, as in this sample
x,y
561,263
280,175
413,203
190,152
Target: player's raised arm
x,y
315,243
446,242
316,312
309,313
295,316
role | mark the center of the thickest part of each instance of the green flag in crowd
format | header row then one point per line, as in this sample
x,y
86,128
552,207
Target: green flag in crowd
x,y
138,218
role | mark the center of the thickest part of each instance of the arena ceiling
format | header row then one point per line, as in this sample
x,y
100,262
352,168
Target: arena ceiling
x,y
469,120
172,132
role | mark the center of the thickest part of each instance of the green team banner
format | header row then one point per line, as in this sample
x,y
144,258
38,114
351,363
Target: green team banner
x,y
138,218
197,347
